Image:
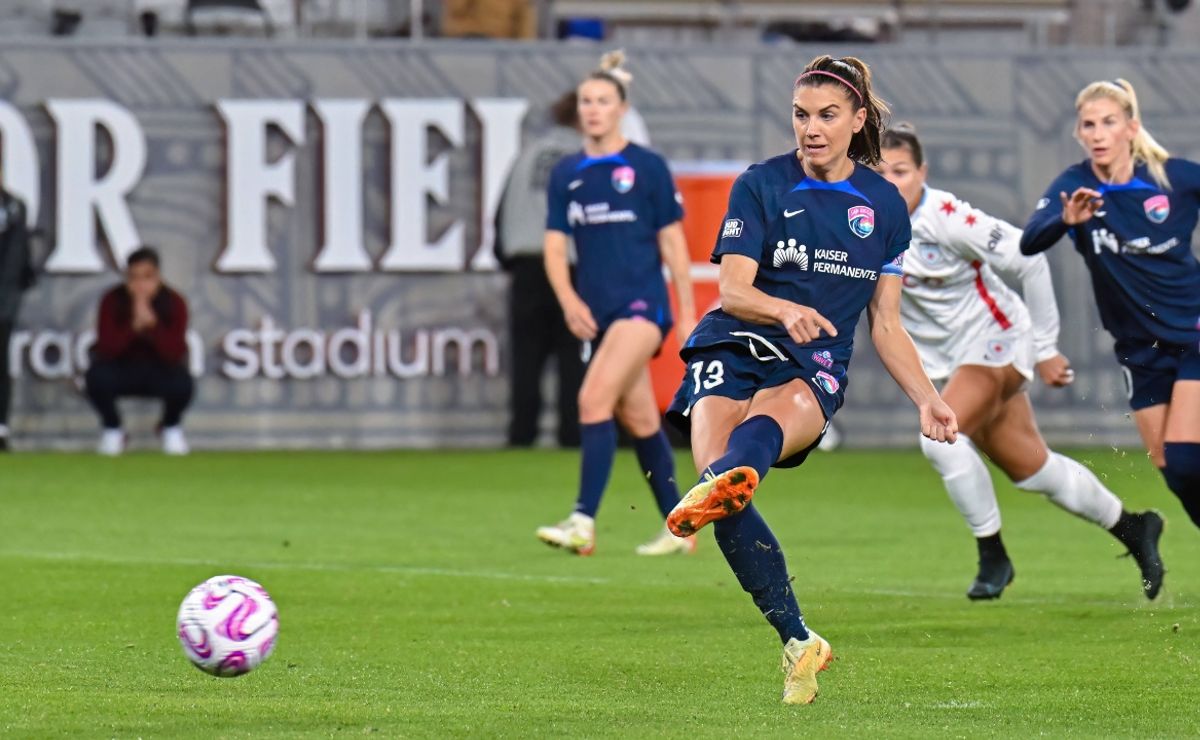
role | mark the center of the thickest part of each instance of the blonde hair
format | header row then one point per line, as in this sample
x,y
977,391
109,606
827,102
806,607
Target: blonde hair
x,y
612,69
1144,147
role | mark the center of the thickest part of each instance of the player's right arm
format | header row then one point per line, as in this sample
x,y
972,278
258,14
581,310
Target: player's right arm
x,y
739,249
739,298
576,313
1064,205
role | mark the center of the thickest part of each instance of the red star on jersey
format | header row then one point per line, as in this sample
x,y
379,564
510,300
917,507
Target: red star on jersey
x,y
948,207
970,219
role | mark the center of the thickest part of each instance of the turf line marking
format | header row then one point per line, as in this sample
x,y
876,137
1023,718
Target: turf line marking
x,y
413,570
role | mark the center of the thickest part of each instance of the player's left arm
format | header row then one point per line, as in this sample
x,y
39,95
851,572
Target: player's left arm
x,y
899,356
672,245
978,236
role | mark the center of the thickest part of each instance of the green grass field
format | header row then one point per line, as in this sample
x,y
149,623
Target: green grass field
x,y
415,601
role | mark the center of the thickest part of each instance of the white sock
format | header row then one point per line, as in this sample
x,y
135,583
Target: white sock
x,y
967,481
1073,487
3,430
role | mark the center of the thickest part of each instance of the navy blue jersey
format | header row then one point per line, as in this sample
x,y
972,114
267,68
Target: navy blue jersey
x,y
615,206
1138,248
818,244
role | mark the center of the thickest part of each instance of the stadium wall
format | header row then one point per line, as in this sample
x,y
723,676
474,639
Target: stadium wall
x,y
326,209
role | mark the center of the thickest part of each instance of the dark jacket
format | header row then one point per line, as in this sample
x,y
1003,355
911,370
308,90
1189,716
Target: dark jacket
x,y
166,342
16,261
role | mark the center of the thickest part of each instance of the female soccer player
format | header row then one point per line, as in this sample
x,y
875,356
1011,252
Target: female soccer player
x,y
619,202
811,238
1131,208
973,329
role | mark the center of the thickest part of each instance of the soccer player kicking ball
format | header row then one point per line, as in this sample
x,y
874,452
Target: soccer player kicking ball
x,y
811,238
971,328
1131,209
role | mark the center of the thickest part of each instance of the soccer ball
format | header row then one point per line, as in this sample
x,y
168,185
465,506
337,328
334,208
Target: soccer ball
x,y
227,625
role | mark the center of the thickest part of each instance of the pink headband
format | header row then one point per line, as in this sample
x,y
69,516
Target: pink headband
x,y
839,78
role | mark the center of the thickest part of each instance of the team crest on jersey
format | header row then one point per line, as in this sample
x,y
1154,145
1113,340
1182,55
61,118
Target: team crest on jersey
x,y
823,358
862,221
1157,208
931,253
622,179
827,382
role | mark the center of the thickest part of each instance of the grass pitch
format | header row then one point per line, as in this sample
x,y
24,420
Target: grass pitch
x,y
415,601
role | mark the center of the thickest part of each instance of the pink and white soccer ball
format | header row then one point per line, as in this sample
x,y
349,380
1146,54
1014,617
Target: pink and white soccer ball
x,y
227,625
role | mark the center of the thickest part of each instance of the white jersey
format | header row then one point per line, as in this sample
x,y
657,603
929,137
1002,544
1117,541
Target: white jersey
x,y
955,305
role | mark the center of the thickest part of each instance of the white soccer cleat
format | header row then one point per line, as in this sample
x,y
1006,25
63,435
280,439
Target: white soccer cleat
x,y
802,661
112,443
577,534
666,543
173,441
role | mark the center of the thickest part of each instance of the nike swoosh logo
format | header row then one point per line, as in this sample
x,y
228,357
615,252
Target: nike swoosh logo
x,y
574,184
789,214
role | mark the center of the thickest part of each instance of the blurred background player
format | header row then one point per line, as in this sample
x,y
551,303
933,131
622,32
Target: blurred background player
x,y
619,202
975,331
768,369
141,350
16,276
537,330
1131,208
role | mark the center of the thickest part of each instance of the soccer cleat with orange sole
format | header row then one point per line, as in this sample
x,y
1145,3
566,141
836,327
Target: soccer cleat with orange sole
x,y
802,661
716,498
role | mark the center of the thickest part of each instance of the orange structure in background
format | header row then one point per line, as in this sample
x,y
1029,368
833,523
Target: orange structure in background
x,y
705,197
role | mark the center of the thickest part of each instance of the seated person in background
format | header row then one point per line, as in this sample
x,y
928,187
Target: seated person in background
x,y
490,19
141,351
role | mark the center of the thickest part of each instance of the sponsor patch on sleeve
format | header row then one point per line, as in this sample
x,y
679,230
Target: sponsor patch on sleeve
x,y
733,228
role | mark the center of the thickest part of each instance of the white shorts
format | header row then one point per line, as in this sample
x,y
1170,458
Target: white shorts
x,y
995,348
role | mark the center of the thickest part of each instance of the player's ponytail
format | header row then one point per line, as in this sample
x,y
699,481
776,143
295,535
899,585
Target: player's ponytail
x,y
1144,147
903,135
854,76
612,69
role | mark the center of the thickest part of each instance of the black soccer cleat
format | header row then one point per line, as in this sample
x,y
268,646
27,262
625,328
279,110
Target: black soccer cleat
x,y
1144,549
993,577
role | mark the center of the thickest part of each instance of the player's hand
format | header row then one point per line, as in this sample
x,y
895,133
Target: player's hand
x,y
579,320
1056,371
684,328
938,421
804,324
1081,206
144,317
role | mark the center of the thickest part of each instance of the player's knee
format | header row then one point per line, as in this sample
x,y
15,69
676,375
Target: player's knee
x,y
951,459
596,402
641,423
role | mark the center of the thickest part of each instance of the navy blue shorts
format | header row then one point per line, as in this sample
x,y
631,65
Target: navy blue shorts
x,y
1151,369
656,314
736,371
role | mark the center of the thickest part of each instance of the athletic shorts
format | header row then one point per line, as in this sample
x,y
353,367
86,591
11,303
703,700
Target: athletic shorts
x,y
657,314
997,348
1151,369
733,371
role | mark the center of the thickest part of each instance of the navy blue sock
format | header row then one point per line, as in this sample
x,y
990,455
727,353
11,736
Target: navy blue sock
x,y
1182,473
756,442
747,542
757,560
599,443
658,465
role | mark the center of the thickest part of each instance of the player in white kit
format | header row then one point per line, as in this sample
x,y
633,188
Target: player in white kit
x,y
975,333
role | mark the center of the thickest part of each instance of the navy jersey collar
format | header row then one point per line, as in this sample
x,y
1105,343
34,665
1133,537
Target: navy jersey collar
x,y
840,186
614,158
